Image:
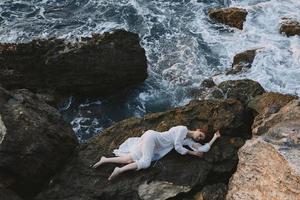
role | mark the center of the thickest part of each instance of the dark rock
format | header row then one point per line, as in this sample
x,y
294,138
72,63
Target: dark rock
x,y
5,181
236,69
79,181
208,83
234,17
34,142
213,192
246,57
94,67
243,90
242,61
6,194
290,27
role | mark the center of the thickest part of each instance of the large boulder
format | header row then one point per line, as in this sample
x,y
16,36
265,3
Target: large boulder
x,y
263,174
289,27
265,106
34,142
93,67
234,17
269,166
167,177
243,90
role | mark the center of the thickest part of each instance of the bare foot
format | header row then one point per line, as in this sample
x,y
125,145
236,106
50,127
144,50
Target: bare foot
x,y
115,173
100,162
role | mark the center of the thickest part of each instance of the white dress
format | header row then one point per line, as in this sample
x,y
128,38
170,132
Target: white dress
x,y
153,145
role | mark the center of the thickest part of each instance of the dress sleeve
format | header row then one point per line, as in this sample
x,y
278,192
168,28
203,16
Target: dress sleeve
x,y
198,147
179,137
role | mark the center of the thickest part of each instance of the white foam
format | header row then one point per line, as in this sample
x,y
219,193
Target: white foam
x,y
276,67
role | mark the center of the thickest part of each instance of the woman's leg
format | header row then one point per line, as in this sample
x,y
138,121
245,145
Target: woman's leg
x,y
122,159
147,148
119,170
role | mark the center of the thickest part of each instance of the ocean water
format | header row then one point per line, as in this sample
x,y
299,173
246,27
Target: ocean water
x,y
183,47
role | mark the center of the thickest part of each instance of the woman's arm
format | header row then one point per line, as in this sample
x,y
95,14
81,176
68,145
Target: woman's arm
x,y
216,136
203,148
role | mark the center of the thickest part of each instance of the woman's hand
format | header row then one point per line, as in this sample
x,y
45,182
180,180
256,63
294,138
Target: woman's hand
x,y
217,134
198,154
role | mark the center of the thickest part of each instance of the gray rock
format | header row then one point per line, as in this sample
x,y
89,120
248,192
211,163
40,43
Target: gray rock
x,y
34,142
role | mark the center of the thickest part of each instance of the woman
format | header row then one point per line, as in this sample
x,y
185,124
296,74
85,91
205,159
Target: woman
x,y
138,152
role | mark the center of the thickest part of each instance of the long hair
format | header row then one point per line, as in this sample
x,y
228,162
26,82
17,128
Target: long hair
x,y
207,130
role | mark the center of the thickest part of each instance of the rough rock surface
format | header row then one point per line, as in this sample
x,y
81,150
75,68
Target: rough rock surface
x,y
79,181
94,67
263,174
242,61
34,142
269,166
282,129
234,17
158,190
212,192
243,90
6,194
265,106
290,27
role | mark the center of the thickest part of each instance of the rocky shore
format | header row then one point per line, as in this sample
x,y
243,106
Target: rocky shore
x,y
41,159
46,152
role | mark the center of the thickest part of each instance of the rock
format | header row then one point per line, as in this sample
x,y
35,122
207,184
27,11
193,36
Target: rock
x,y
271,101
282,130
269,166
94,67
263,174
5,181
265,106
8,195
242,61
243,90
201,92
212,192
157,190
234,17
245,57
34,142
290,27
175,172
208,83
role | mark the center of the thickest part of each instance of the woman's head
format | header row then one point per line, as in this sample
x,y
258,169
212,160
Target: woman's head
x,y
199,134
